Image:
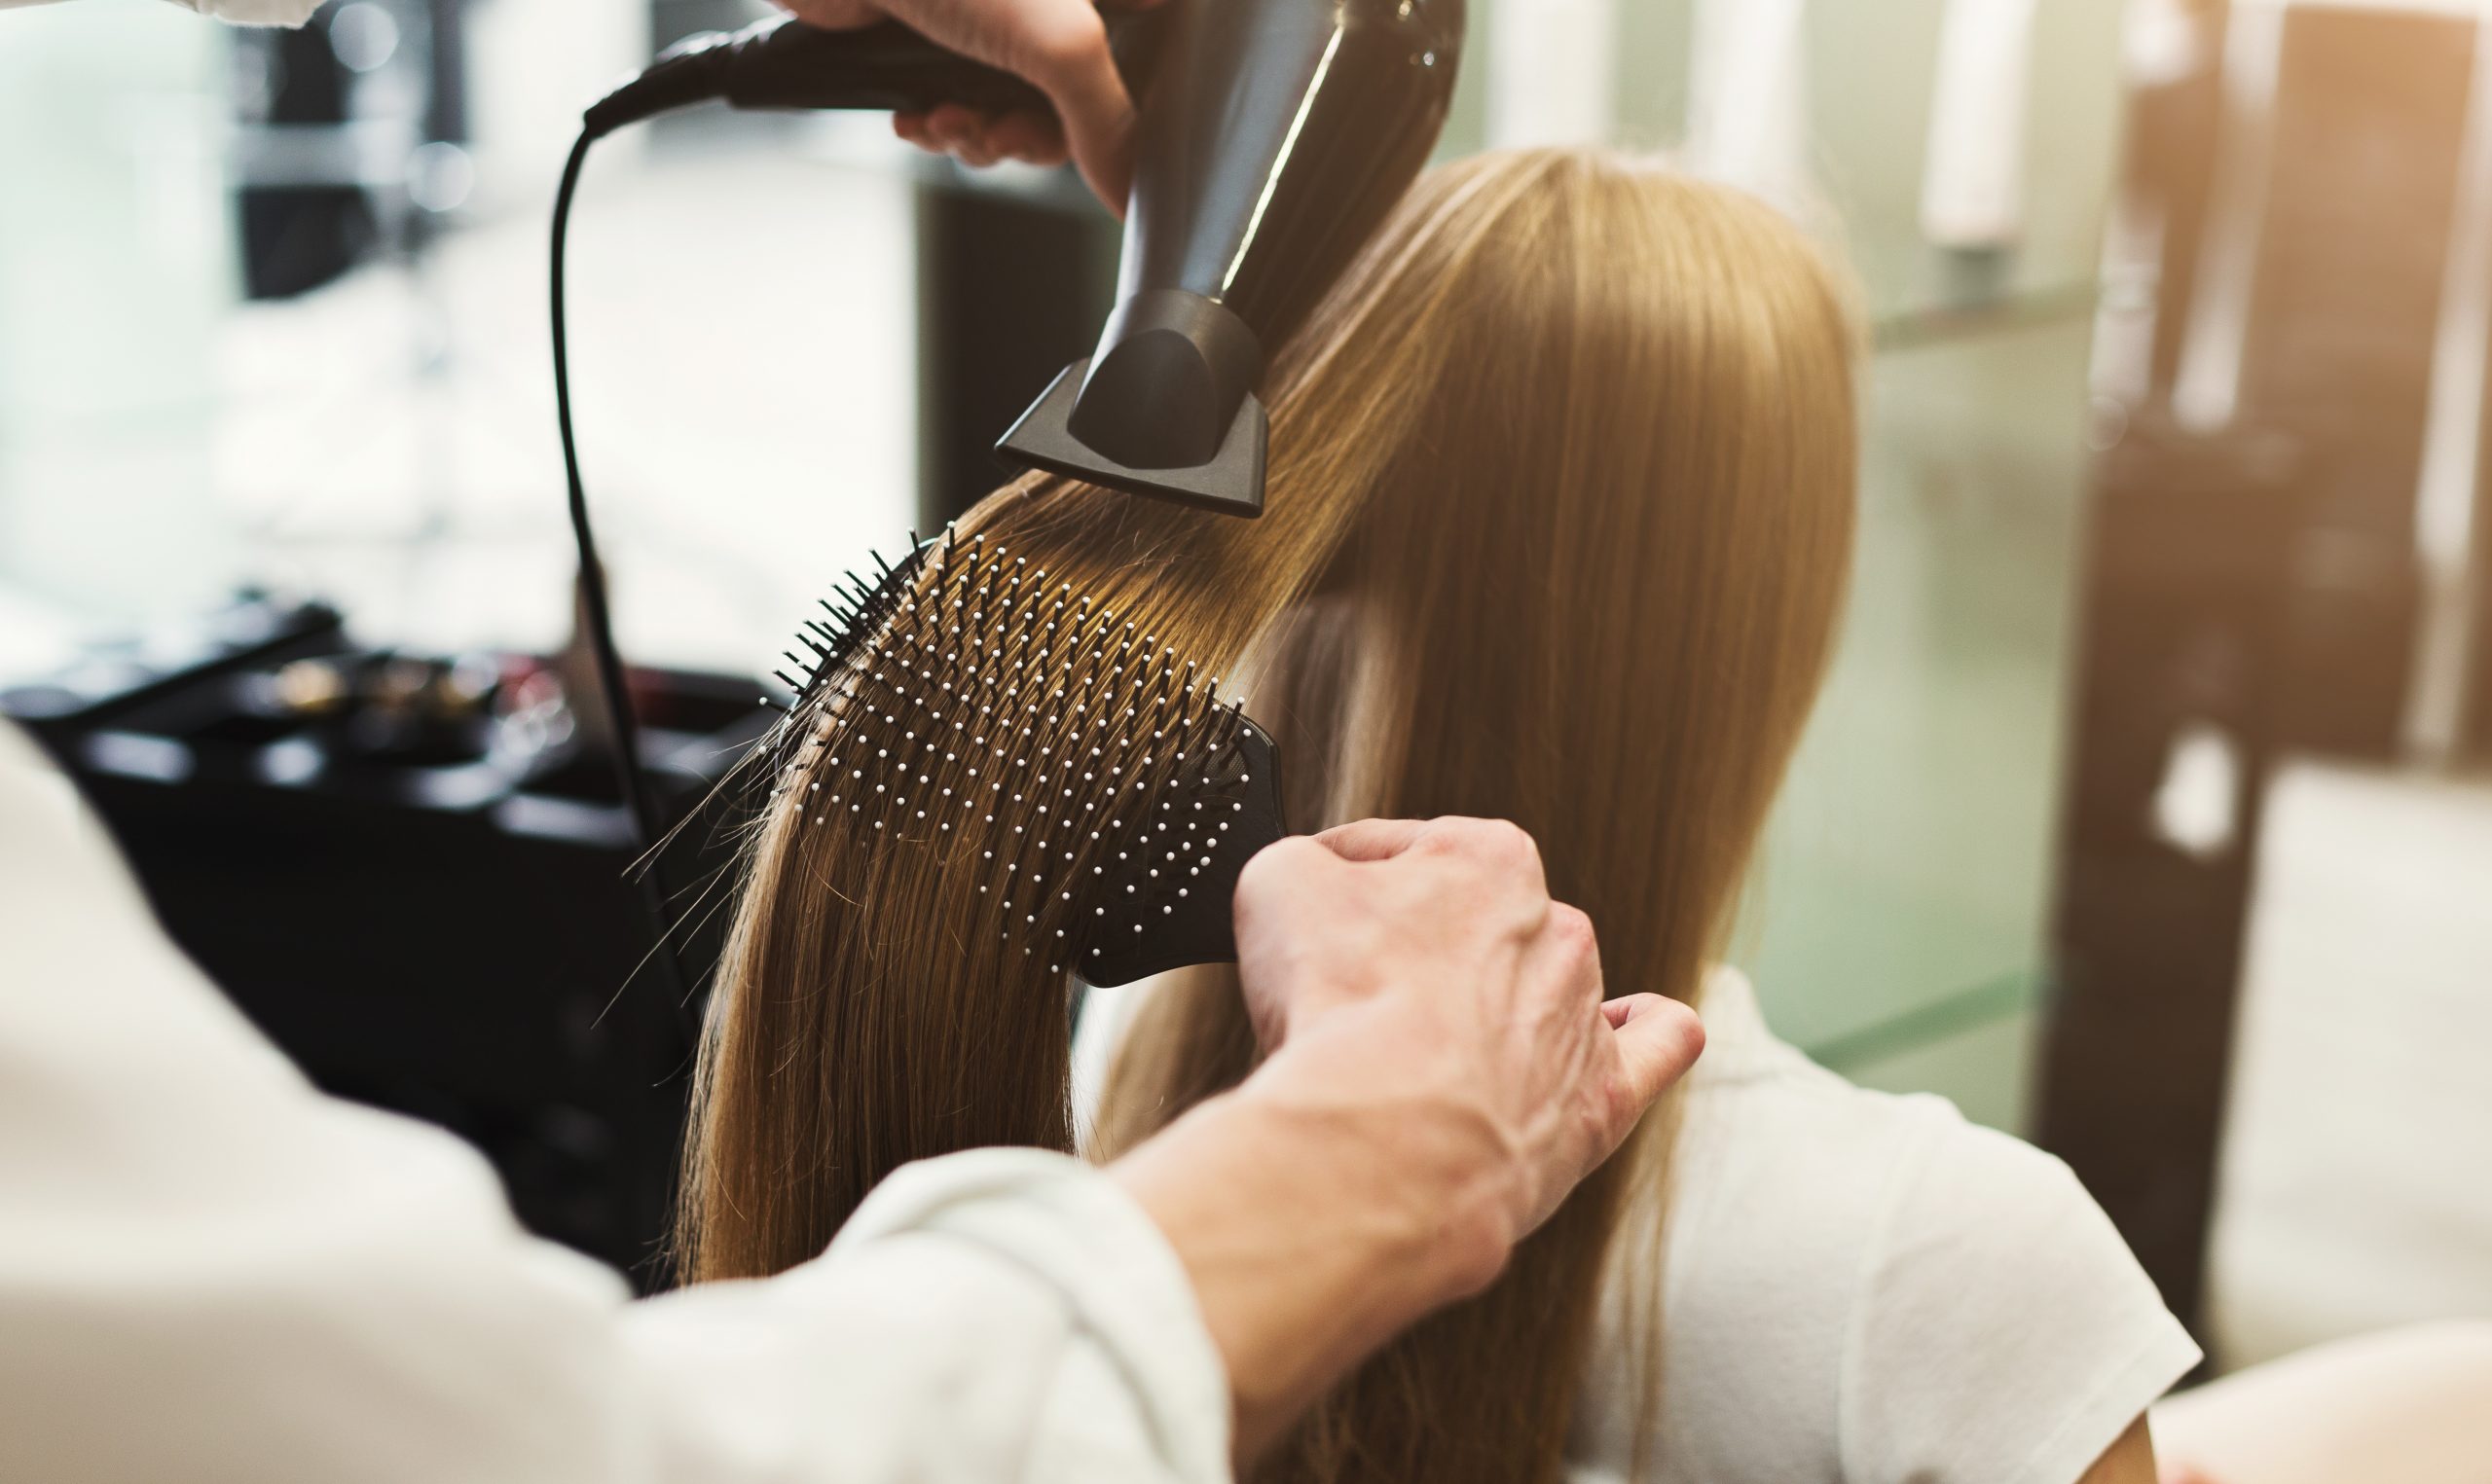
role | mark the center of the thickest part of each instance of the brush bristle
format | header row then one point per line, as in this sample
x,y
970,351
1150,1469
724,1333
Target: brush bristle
x,y
969,703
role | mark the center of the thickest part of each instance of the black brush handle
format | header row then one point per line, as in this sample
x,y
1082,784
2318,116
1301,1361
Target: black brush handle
x,y
1183,902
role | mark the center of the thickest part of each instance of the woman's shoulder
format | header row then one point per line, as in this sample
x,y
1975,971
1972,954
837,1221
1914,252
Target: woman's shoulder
x,y
1782,1163
1762,1116
1917,1291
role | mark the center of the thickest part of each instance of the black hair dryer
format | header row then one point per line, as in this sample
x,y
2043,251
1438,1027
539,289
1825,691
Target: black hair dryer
x,y
1274,135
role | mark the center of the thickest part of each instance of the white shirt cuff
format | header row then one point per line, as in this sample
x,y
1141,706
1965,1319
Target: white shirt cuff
x,y
254,12
1070,1225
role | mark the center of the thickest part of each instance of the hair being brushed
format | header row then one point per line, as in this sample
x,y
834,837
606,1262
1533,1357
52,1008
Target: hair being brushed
x,y
1559,515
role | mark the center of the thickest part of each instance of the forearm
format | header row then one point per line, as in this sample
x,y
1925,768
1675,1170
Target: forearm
x,y
1314,1226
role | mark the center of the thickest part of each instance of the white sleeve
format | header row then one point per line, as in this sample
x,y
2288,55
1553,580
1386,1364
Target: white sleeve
x,y
237,12
210,1272
2002,1331
255,12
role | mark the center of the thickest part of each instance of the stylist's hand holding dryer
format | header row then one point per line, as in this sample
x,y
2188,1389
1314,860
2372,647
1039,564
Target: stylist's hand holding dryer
x,y
1060,46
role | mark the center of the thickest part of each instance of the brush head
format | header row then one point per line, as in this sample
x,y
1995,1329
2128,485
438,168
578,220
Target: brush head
x,y
1096,787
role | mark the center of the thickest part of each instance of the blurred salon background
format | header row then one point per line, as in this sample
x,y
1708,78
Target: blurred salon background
x,y
2148,814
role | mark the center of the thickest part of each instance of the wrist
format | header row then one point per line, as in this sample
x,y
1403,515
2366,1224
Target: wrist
x,y
1314,1227
1430,1174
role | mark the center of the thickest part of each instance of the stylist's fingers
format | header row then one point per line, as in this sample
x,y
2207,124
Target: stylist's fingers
x,y
981,139
1658,1039
1029,137
1068,58
1293,880
1288,867
957,131
1372,839
1297,930
1060,47
1498,849
1568,952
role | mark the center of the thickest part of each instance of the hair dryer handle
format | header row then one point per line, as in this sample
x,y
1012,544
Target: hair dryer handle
x,y
781,62
883,67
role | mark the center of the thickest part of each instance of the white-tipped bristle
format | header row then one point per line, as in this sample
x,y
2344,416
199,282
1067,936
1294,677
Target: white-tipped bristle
x,y
954,634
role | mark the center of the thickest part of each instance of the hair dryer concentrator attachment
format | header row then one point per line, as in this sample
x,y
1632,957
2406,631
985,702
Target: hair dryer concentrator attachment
x,y
1175,363
1275,135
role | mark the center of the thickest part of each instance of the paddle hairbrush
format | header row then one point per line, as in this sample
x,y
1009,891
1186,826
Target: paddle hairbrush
x,y
1103,796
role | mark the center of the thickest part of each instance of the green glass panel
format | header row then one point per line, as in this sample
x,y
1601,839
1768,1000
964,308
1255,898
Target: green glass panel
x,y
1986,1069
1907,867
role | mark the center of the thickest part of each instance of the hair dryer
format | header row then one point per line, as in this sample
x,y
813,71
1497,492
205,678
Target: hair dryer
x,y
1274,135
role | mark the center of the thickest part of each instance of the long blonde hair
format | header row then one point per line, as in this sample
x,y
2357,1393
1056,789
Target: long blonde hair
x,y
1560,508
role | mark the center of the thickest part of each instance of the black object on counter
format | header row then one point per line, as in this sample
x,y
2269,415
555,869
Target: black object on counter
x,y
410,874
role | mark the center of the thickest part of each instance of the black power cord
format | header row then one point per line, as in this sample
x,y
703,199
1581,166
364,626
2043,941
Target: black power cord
x,y
777,64
597,619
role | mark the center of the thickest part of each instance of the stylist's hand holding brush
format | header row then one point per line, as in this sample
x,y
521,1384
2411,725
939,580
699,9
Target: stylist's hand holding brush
x,y
1059,45
1443,1069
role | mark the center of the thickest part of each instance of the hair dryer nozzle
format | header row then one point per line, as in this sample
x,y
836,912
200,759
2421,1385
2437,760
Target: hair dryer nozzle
x,y
1229,481
1275,135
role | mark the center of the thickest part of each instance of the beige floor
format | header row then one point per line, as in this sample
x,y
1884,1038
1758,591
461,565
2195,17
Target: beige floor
x,y
2356,1184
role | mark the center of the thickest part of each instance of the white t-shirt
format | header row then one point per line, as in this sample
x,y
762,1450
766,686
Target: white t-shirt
x,y
1859,1288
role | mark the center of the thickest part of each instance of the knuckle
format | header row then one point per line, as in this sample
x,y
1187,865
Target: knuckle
x,y
1283,861
1442,837
1063,43
1578,945
1578,937
1501,844
1512,848
1569,926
